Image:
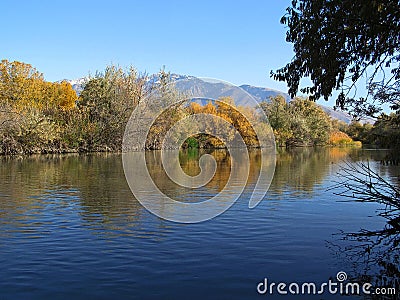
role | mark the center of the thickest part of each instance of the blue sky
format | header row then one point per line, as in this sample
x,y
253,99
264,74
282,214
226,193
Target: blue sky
x,y
236,41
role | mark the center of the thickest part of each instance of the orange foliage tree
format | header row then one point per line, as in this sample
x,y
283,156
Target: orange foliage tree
x,y
23,87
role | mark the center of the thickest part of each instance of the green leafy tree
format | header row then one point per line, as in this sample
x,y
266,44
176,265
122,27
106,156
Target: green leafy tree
x,y
299,122
277,111
316,122
339,43
108,100
311,125
360,132
386,132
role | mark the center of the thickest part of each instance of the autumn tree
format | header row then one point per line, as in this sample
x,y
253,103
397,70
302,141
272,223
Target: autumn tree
x,y
20,83
58,95
22,86
225,111
30,107
242,118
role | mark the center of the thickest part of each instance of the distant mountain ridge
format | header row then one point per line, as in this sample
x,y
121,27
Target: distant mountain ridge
x,y
263,94
215,89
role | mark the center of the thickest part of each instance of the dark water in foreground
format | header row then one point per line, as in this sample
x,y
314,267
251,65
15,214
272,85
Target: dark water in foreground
x,y
71,229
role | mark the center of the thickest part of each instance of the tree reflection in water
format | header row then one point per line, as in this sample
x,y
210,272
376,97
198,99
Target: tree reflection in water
x,y
374,254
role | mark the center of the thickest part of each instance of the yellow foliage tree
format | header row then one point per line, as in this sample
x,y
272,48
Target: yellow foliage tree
x,y
226,110
339,138
23,87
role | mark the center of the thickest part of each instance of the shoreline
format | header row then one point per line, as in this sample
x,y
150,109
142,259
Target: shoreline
x,y
82,151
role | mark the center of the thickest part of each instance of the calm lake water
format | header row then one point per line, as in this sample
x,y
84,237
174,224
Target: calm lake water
x,y
70,228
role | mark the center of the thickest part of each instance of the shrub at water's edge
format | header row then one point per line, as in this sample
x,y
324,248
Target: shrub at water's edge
x,y
341,139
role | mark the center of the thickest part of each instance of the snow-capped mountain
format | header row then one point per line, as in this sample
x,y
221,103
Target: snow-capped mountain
x,y
215,89
77,84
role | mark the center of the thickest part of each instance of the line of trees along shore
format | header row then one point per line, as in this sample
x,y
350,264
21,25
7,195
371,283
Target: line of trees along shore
x,y
37,116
